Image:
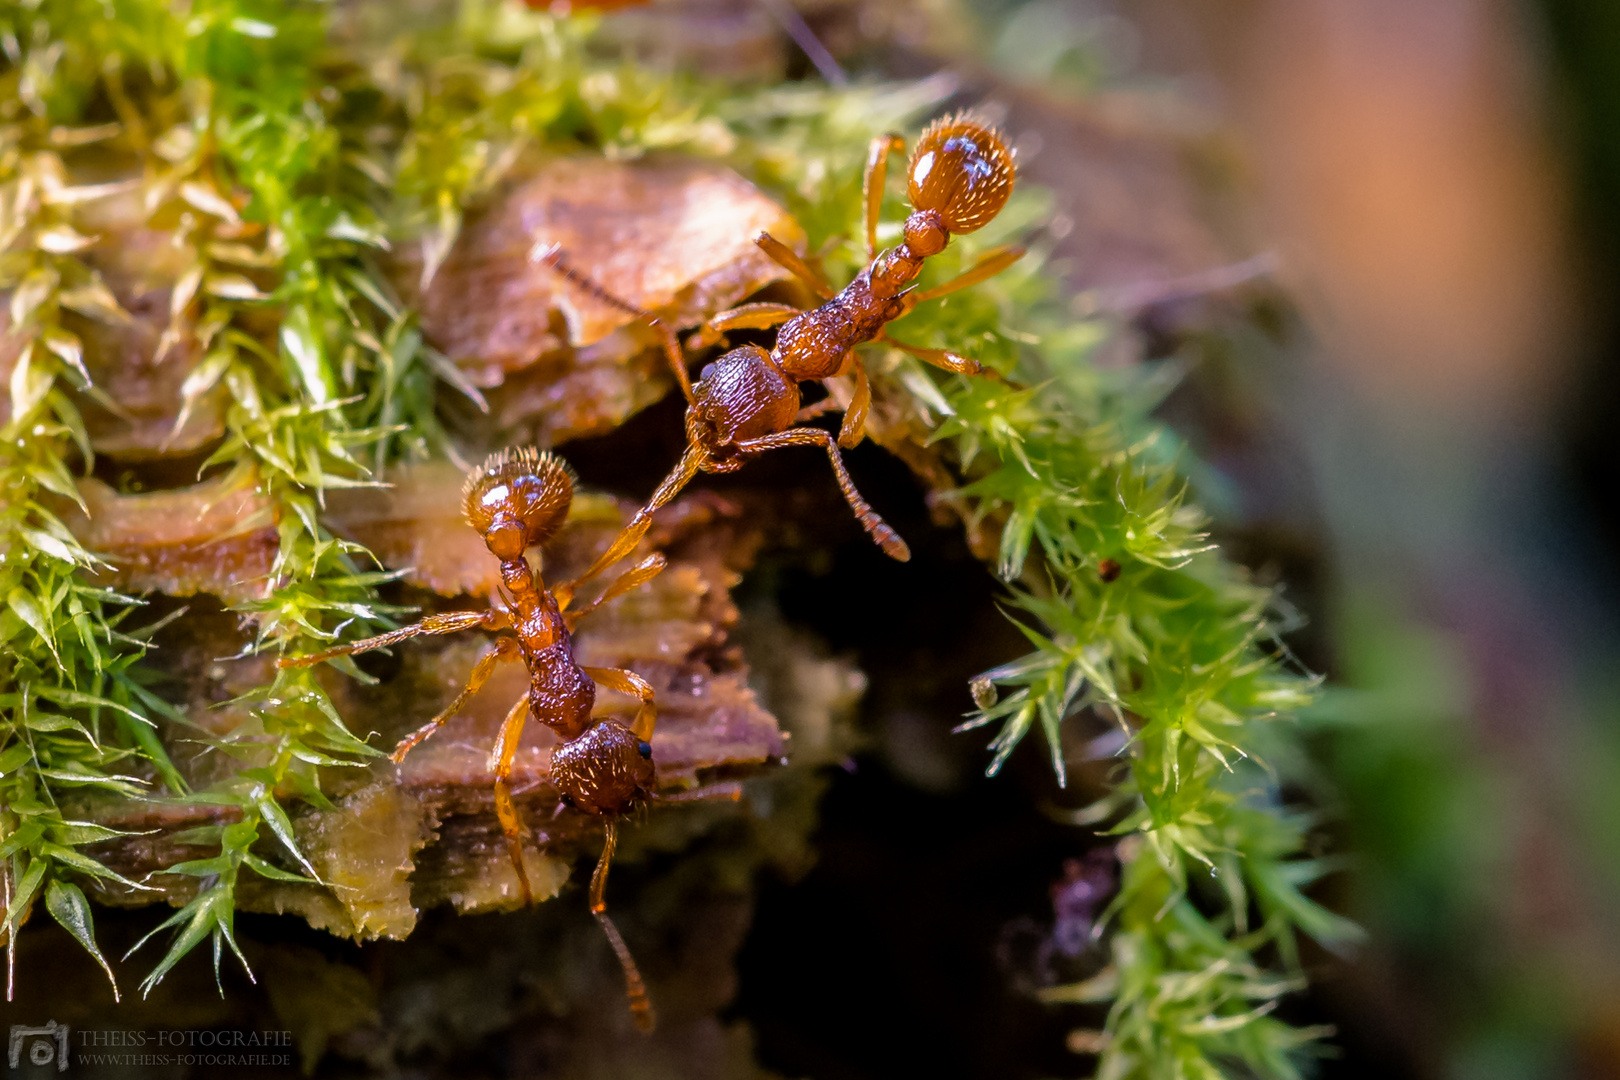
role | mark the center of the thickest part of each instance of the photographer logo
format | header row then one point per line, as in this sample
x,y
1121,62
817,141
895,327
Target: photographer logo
x,y
43,1045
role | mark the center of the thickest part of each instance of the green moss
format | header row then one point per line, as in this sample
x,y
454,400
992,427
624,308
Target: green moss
x,y
337,146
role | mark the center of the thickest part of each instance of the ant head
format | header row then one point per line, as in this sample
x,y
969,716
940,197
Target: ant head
x,y
518,498
606,770
962,170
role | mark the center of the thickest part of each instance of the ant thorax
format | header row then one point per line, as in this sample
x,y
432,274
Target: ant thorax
x,y
814,345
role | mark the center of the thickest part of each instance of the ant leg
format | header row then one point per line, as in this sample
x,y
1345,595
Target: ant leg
x,y
989,265
628,682
854,426
551,255
787,258
886,538
961,365
820,408
506,744
729,790
877,171
640,1006
690,463
506,650
639,574
447,623
746,317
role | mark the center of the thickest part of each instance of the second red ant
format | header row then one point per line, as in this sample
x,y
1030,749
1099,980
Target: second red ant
x,y
519,499
747,401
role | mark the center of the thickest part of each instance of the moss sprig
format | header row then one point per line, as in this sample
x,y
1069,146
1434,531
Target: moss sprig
x,y
75,710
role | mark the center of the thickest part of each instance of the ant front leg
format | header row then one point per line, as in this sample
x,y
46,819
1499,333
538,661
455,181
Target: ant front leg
x,y
693,460
886,538
506,811
877,171
788,259
760,316
628,682
448,623
505,651
640,1005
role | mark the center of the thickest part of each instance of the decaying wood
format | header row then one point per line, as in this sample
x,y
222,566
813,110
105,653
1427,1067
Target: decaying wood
x,y
218,537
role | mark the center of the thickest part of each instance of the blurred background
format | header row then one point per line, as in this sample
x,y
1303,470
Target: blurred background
x,y
1379,239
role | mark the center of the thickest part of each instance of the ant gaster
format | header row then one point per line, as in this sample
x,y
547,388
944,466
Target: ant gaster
x,y
747,401
519,499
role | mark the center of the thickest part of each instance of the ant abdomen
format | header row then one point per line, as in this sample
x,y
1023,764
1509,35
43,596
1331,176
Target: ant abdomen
x,y
519,498
961,170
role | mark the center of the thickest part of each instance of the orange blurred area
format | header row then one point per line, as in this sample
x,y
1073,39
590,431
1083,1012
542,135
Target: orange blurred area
x,y
1406,173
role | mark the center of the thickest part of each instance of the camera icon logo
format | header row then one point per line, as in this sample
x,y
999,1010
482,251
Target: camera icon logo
x,y
45,1045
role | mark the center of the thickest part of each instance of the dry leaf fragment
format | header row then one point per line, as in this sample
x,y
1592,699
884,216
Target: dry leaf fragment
x,y
670,236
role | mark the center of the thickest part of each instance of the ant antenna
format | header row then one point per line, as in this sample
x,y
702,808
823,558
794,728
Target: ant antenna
x,y
551,255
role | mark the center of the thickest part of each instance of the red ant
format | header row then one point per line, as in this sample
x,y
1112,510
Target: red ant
x,y
747,401
519,499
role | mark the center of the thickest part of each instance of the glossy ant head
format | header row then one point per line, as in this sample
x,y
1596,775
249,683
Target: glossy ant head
x,y
517,499
960,176
607,770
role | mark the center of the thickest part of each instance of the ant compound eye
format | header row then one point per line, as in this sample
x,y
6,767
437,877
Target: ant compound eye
x,y
644,748
962,169
520,496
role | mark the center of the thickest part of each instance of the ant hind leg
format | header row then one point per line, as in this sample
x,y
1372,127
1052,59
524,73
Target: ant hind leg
x,y
876,527
989,265
788,259
640,1005
940,358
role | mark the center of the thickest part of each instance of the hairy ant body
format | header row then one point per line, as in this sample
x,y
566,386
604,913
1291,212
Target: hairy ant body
x,y
747,401
517,500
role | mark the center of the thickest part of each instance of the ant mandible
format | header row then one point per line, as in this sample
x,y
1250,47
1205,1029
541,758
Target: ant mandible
x,y
519,499
747,401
